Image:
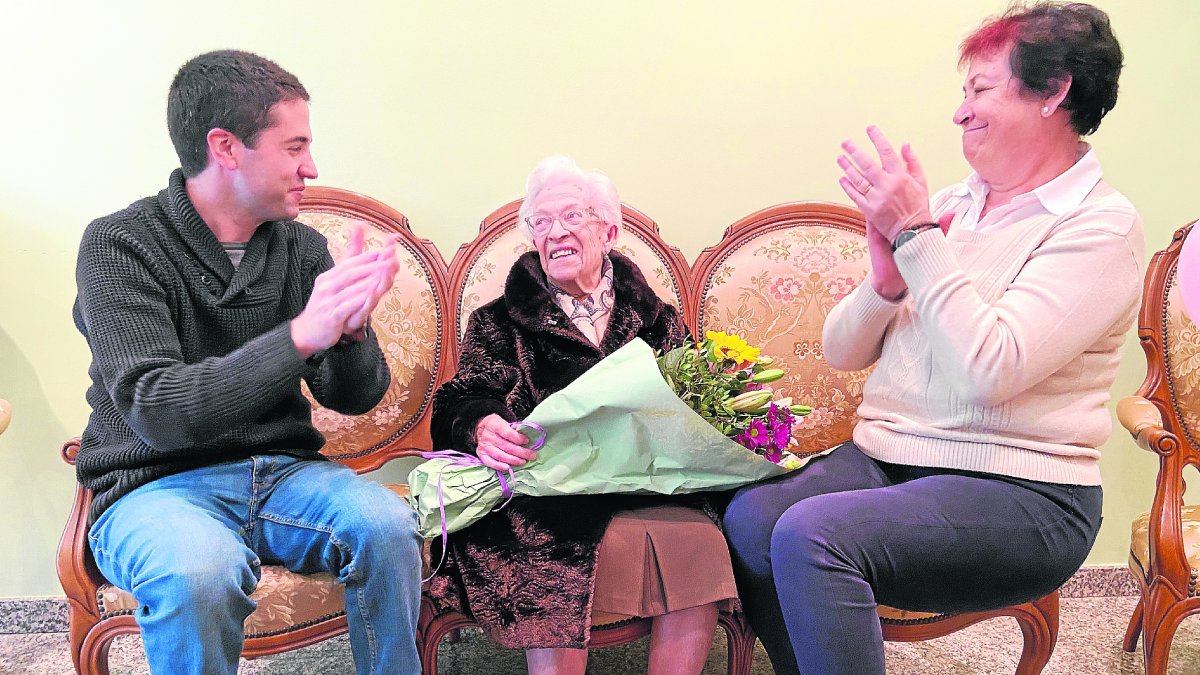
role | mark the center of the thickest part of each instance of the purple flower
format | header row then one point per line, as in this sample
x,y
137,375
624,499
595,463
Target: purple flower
x,y
779,426
772,413
755,436
780,434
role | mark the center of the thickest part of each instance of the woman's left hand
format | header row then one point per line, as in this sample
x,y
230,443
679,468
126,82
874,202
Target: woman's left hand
x,y
891,193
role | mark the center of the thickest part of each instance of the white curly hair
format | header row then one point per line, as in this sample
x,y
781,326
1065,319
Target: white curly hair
x,y
596,188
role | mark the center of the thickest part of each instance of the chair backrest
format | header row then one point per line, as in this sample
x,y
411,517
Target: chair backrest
x,y
480,267
1172,345
772,279
408,322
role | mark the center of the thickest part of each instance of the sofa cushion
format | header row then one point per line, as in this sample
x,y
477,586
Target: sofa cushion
x,y
286,601
1139,547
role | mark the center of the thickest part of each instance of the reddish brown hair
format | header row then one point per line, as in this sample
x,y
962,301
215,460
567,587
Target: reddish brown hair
x,y
1050,43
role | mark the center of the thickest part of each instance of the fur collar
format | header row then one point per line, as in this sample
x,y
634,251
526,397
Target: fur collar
x,y
530,303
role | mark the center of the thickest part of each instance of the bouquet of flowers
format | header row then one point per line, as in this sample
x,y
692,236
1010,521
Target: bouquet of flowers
x,y
620,428
724,380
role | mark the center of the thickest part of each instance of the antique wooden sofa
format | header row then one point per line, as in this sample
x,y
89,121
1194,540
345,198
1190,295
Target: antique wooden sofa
x,y
772,278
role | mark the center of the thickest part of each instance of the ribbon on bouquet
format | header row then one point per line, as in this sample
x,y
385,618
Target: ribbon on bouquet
x,y
536,436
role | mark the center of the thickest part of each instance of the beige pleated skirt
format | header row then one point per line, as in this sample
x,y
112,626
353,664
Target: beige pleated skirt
x,y
657,560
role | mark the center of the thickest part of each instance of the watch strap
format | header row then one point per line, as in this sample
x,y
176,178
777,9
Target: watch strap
x,y
909,233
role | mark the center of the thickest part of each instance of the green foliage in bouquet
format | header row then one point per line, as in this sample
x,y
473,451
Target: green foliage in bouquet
x,y
723,379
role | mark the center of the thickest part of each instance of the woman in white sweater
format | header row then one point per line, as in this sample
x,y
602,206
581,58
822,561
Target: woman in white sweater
x,y
994,314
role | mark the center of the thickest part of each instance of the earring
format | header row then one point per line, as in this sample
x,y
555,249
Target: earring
x,y
1045,111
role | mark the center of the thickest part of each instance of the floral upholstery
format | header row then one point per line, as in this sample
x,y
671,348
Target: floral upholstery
x,y
648,253
903,615
774,287
407,323
286,601
1139,548
1181,346
486,273
488,267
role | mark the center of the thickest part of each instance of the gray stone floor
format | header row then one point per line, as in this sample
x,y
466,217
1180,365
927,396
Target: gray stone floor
x,y
1089,643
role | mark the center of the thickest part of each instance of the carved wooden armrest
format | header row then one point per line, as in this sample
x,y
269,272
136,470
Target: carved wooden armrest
x,y
1143,420
70,450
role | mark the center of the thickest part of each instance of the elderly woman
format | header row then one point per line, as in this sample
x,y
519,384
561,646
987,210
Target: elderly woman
x,y
539,573
994,314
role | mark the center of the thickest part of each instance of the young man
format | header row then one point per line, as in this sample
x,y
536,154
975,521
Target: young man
x,y
204,307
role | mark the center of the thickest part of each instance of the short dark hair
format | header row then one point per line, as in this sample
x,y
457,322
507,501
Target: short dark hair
x,y
1052,41
226,89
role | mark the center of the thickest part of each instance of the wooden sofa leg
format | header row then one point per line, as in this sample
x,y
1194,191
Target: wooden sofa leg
x,y
93,654
1039,627
1157,635
429,655
1134,631
88,656
431,632
739,643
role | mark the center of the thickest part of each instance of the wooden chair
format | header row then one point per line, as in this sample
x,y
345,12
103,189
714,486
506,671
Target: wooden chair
x,y
477,275
1164,418
772,279
298,610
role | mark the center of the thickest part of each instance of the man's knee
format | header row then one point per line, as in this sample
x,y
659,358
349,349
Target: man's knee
x,y
396,528
210,578
387,530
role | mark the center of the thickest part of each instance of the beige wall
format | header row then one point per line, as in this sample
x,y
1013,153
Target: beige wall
x,y
700,112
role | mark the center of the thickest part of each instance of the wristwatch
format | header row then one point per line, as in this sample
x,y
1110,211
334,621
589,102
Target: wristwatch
x,y
909,233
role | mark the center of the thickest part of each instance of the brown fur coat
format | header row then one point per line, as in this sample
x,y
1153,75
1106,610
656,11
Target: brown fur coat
x,y
527,571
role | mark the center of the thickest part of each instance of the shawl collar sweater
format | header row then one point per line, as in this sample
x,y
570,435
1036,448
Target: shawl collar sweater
x,y
192,361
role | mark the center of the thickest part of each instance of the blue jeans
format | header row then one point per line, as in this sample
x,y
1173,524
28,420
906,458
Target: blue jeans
x,y
189,548
814,551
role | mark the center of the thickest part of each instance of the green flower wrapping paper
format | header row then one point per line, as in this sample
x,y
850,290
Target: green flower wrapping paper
x,y
618,428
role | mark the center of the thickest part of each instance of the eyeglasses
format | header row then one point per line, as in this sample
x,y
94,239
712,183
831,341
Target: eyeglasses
x,y
572,219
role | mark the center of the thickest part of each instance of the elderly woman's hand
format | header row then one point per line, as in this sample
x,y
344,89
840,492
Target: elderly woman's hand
x,y
891,194
498,445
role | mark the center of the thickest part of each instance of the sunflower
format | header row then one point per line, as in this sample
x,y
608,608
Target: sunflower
x,y
732,347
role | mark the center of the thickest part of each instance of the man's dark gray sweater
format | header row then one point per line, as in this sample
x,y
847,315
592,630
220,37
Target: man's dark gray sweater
x,y
192,361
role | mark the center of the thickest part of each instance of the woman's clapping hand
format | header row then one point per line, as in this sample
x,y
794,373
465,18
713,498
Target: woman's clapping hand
x,y
892,193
